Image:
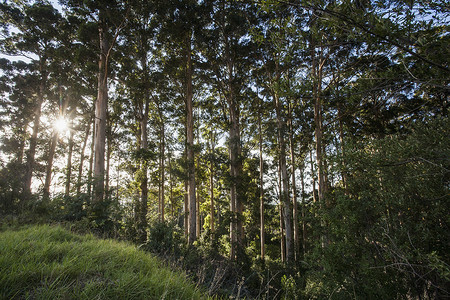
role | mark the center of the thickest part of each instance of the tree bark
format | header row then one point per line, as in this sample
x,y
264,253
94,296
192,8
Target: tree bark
x,y
190,145
31,153
313,176
144,110
261,187
236,225
172,204
49,167
163,168
69,162
284,191
341,140
80,167
211,179
91,164
282,239
294,188
303,212
101,108
109,131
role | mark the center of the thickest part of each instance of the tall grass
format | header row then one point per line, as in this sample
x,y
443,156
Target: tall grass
x,y
45,262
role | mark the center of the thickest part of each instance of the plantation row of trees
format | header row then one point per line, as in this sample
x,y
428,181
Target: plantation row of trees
x,y
309,133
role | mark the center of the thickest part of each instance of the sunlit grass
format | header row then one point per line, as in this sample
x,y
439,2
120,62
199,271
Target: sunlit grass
x,y
44,262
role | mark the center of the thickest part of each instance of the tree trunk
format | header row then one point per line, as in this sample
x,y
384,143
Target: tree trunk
x,y
186,207
284,191
313,176
108,154
303,212
31,153
318,130
211,180
91,164
101,108
49,167
69,162
236,225
172,204
198,213
162,168
144,110
317,65
341,140
190,146
294,188
261,187
80,167
280,206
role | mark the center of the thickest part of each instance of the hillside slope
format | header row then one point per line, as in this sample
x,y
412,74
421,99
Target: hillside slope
x,y
46,262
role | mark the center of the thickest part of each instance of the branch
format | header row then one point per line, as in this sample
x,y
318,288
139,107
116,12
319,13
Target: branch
x,y
368,30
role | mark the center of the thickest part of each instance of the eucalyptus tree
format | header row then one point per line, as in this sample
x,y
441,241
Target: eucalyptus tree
x,y
107,18
135,58
16,115
229,55
181,23
276,35
31,31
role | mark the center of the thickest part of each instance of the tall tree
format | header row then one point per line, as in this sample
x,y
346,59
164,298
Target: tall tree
x,y
231,54
36,33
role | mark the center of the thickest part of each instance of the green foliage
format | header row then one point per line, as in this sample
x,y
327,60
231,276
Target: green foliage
x,y
388,236
43,262
164,239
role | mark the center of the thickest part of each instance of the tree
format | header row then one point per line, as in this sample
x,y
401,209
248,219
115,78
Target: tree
x,y
37,32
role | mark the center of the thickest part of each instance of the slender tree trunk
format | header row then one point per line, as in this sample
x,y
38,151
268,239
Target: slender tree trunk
x,y
172,213
19,159
49,167
186,208
80,167
197,216
31,153
282,239
21,149
294,188
261,187
318,130
284,192
303,211
162,169
69,162
234,172
341,140
313,176
138,193
211,181
236,207
91,164
143,139
198,167
101,108
317,65
109,130
190,145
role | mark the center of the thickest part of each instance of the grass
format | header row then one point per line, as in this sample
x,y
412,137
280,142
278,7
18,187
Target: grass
x,y
49,262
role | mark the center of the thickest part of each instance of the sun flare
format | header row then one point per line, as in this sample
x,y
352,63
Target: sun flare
x,y
61,125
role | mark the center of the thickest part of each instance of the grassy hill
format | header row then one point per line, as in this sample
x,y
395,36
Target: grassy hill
x,y
46,262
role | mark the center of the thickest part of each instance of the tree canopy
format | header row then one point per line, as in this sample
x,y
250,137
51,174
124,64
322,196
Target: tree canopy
x,y
302,141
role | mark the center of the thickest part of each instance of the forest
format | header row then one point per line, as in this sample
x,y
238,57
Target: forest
x,y
270,149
